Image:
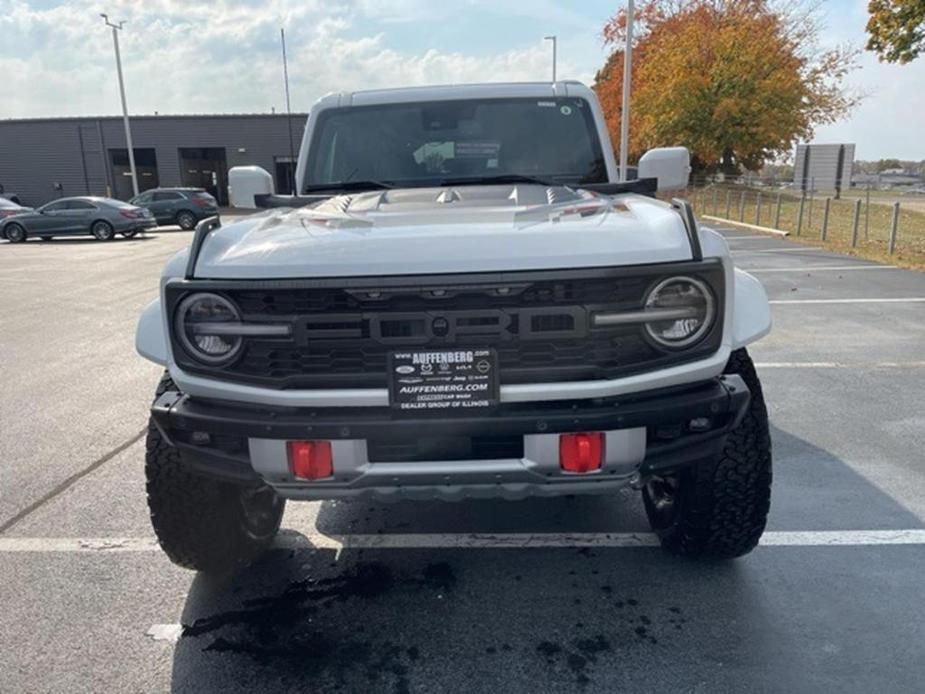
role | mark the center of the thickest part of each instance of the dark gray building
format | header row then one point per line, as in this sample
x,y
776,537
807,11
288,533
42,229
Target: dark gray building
x,y
46,158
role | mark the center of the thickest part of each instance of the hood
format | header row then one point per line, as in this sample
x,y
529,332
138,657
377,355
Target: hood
x,y
447,230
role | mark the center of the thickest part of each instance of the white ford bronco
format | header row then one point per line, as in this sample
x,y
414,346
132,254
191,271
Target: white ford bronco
x,y
461,301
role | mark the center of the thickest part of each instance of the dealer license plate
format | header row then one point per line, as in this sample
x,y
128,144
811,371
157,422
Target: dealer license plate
x,y
451,380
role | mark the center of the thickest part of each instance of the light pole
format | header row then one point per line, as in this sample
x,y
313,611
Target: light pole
x,y
292,190
627,72
128,129
553,39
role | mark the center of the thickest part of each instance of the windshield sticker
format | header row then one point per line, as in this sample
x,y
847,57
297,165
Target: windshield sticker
x,y
566,110
547,104
477,149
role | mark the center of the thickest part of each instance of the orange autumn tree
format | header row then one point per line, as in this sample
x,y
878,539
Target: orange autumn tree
x,y
896,29
737,82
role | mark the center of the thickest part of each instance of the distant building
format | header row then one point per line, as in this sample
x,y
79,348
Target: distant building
x,y
46,158
886,180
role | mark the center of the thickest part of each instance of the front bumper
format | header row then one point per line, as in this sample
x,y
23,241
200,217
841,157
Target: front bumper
x,y
646,433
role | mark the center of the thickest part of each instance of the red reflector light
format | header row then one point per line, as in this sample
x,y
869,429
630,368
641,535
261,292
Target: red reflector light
x,y
581,452
311,460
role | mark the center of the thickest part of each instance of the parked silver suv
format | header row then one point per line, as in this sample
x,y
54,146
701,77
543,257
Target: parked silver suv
x,y
461,302
185,207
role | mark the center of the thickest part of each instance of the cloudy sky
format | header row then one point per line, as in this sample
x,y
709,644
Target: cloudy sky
x,y
186,56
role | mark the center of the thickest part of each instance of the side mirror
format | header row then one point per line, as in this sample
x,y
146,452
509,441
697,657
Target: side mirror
x,y
670,165
244,182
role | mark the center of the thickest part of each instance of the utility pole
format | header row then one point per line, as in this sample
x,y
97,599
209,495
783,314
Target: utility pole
x,y
554,41
128,130
292,190
627,73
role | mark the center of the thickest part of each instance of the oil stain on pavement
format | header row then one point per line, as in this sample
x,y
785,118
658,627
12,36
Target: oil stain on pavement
x,y
324,628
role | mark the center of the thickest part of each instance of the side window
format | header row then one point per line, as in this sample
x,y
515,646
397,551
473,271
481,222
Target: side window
x,y
55,206
159,197
80,205
144,198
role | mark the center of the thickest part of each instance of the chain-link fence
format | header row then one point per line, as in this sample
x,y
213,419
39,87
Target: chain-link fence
x,y
882,224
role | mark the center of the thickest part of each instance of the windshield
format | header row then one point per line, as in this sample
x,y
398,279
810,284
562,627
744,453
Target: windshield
x,y
429,143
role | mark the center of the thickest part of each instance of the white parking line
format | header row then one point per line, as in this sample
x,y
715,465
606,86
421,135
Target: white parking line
x,y
908,300
316,540
821,268
171,633
165,632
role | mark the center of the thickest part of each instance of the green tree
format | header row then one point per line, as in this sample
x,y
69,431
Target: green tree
x,y
885,164
896,29
738,82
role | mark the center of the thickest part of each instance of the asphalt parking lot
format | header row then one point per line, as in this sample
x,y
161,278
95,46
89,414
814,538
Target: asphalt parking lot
x,y
547,595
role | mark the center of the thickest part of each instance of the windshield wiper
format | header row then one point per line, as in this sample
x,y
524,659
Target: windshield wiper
x,y
491,180
349,185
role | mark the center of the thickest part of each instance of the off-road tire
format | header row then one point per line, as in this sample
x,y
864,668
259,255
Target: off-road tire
x,y
202,523
186,220
719,507
16,233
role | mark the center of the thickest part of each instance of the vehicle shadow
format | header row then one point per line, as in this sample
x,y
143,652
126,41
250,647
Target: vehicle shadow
x,y
305,618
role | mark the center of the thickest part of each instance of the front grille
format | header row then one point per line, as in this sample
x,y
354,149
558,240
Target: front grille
x,y
469,295
364,364
538,323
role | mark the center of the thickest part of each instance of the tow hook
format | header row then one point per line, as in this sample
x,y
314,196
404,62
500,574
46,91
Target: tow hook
x,y
637,482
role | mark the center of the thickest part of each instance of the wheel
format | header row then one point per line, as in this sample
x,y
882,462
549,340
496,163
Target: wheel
x,y
16,233
718,508
130,234
186,220
201,523
103,231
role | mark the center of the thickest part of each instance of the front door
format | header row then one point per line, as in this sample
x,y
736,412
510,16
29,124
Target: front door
x,y
205,167
52,218
145,166
164,205
78,216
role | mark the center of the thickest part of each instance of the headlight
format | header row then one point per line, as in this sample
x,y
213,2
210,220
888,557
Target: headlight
x,y
688,307
207,326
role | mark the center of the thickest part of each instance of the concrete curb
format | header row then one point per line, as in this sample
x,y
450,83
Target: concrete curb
x,y
755,227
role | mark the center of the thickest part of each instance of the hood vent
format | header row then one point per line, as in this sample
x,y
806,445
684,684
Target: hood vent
x,y
559,194
448,195
342,202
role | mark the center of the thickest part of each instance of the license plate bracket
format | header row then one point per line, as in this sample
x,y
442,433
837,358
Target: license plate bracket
x,y
450,381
